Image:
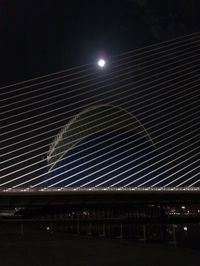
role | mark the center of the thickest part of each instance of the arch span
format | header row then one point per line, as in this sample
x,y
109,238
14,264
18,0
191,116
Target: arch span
x,y
91,120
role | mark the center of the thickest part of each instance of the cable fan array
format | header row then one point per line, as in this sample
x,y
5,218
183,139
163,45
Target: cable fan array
x,y
67,129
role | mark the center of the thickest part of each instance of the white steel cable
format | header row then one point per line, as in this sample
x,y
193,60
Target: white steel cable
x,y
152,45
153,109
138,109
101,143
83,100
165,164
76,161
144,156
174,167
13,158
164,133
72,183
185,95
194,183
122,54
190,177
74,109
71,176
130,183
86,81
38,78
95,158
53,170
180,177
59,127
73,161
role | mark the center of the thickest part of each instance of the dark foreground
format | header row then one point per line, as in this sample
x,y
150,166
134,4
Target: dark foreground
x,y
45,249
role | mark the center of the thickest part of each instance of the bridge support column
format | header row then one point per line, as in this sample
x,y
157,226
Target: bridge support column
x,y
104,230
90,229
21,229
174,234
121,231
144,233
78,228
51,227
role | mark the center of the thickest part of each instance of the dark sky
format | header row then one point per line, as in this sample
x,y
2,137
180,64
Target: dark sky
x,y
41,37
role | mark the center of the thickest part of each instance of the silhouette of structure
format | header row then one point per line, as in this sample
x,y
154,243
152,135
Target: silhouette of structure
x,y
102,146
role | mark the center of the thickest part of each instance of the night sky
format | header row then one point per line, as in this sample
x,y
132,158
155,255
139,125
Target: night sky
x,y
42,37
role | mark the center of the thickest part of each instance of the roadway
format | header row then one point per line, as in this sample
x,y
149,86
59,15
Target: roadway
x,y
87,197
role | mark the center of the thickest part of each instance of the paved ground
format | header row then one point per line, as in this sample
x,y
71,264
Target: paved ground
x,y
42,249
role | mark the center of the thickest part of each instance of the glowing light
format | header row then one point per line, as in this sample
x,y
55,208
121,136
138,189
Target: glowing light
x,y
101,62
185,228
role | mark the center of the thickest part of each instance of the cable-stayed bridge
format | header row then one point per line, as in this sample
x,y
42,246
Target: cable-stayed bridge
x,y
131,125
109,151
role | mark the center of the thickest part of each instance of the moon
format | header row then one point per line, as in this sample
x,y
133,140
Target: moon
x,y
101,62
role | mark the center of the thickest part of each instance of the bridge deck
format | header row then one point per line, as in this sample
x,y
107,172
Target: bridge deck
x,y
53,197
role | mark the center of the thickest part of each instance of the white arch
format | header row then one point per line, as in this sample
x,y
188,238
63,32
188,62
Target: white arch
x,y
55,154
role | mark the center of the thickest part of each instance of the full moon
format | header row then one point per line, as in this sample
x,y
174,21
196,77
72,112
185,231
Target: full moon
x,y
101,62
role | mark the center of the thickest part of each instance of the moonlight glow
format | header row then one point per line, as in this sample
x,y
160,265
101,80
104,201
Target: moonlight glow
x,y
101,63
